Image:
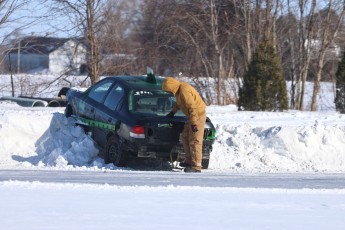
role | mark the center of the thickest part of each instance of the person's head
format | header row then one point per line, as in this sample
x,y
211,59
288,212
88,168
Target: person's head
x,y
171,85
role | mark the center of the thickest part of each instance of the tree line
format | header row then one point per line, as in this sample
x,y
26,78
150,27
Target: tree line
x,y
211,39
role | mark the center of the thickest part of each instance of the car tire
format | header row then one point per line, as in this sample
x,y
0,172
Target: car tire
x,y
114,153
205,163
63,92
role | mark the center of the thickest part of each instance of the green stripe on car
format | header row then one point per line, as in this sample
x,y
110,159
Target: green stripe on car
x,y
93,123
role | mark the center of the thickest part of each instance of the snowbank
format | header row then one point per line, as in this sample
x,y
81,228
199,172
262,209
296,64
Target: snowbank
x,y
64,144
246,141
291,141
279,149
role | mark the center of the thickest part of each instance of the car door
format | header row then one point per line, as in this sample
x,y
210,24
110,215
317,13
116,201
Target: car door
x,y
107,114
93,101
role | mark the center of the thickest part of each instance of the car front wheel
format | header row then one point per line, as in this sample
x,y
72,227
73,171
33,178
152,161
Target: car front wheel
x,y
114,153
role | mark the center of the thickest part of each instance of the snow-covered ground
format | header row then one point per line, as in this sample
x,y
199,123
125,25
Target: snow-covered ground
x,y
38,205
291,142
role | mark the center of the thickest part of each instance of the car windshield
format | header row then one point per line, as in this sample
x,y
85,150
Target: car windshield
x,y
151,103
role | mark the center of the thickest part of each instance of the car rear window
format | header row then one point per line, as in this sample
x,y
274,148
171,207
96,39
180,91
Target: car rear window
x,y
151,103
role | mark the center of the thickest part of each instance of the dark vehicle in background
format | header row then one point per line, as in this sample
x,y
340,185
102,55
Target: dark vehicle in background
x,y
127,118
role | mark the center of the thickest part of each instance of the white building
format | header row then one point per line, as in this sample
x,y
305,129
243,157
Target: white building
x,y
333,52
50,55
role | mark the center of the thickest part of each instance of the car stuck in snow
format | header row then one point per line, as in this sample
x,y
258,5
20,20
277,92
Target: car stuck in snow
x,y
126,116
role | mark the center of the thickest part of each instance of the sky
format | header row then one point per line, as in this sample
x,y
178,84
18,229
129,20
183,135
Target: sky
x,y
35,18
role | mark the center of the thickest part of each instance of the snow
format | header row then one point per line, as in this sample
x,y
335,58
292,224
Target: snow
x,y
255,142
290,142
60,205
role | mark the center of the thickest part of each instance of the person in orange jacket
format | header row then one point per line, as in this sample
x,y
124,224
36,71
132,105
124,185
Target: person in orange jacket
x,y
190,102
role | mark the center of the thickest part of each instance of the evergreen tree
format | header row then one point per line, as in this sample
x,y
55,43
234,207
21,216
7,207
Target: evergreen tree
x,y
264,86
340,86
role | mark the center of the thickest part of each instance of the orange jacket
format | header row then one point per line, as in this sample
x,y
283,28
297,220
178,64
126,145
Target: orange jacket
x,y
187,98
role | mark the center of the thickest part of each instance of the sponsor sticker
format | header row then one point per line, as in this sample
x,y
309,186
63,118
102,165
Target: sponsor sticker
x,y
165,125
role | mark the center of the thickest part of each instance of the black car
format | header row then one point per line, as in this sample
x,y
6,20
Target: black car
x,y
127,118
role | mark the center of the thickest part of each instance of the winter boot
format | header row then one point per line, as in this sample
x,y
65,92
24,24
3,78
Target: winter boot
x,y
191,170
184,164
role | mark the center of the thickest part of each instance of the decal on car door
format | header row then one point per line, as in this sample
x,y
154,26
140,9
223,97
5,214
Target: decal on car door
x,y
93,123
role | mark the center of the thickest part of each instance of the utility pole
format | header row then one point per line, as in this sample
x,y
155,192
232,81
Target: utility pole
x,y
18,58
9,61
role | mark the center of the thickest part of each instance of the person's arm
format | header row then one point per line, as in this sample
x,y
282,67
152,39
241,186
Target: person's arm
x,y
190,104
175,109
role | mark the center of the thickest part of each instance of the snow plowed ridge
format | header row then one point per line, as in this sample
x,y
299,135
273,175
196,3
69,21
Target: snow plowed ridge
x,y
245,141
245,148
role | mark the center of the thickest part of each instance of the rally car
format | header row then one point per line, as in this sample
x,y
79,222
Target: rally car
x,y
126,116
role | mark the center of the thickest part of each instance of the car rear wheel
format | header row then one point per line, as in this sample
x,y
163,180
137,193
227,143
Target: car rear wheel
x,y
114,153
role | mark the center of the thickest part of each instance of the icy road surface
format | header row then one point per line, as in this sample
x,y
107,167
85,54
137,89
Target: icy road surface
x,y
166,178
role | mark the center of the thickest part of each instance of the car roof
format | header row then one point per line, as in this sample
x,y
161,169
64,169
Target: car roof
x,y
140,82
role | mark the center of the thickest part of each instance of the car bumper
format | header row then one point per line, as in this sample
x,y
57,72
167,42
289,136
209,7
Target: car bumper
x,y
174,152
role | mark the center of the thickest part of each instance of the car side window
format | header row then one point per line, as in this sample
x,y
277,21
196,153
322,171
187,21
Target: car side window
x,y
99,91
114,97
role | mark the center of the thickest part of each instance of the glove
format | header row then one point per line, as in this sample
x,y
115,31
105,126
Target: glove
x,y
194,128
171,114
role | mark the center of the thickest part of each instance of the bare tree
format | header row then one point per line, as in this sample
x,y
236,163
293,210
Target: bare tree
x,y
8,18
201,37
84,16
216,39
117,42
247,17
304,46
107,26
287,45
328,31
300,39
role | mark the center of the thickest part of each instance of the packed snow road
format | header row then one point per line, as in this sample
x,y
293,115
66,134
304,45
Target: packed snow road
x,y
166,178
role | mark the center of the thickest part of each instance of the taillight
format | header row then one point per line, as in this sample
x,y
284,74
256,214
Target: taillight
x,y
137,132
